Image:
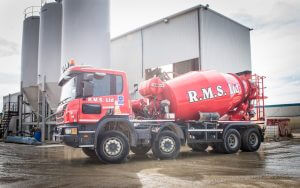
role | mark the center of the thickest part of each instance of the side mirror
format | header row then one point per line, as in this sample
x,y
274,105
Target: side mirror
x,y
63,79
88,77
88,89
99,75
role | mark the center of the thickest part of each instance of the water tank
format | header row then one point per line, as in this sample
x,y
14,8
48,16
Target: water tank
x,y
50,51
86,32
29,57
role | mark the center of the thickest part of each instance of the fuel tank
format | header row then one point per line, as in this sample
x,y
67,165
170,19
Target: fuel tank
x,y
202,91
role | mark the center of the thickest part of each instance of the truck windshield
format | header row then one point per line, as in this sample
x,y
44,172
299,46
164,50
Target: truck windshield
x,y
68,90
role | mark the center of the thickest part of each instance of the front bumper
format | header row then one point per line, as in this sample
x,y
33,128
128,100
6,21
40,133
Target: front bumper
x,y
78,140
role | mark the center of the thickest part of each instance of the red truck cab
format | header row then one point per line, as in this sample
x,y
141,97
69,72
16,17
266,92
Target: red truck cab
x,y
90,96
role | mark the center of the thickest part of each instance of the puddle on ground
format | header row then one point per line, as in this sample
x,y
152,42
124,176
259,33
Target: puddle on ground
x,y
275,164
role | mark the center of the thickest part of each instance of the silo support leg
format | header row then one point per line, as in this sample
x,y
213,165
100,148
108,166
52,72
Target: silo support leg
x,y
43,116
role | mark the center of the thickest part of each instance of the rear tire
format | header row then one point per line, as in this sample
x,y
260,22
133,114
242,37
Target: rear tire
x,y
112,147
198,147
89,152
251,140
166,145
231,143
140,150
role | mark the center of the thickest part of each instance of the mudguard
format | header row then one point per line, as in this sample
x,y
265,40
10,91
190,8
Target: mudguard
x,y
123,119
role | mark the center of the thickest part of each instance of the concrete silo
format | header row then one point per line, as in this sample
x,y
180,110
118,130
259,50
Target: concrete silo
x,y
86,32
50,51
29,57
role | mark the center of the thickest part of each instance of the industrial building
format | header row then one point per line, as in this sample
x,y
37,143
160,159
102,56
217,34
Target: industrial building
x,y
194,39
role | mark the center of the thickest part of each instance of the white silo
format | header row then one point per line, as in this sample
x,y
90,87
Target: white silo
x,y
29,57
50,51
86,32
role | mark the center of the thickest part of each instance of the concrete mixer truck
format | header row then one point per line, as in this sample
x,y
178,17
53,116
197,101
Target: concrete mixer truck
x,y
200,109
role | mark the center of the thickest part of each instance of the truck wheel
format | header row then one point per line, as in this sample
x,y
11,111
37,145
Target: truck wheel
x,y
166,145
231,143
112,147
251,140
89,152
140,150
198,147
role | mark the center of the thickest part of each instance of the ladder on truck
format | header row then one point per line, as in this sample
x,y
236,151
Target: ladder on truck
x,y
10,109
259,102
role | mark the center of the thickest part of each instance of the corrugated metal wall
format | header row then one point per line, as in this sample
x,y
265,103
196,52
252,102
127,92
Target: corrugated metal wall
x,y
283,111
171,42
225,45
126,55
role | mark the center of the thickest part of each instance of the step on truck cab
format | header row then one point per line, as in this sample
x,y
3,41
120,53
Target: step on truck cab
x,y
96,114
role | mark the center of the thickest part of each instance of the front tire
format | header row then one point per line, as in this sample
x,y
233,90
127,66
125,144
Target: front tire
x,y
112,147
89,152
251,140
166,145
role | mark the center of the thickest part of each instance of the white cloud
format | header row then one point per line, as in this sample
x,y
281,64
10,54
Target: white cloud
x,y
8,48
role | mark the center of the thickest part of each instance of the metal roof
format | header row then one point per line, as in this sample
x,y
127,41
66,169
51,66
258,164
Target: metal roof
x,y
173,16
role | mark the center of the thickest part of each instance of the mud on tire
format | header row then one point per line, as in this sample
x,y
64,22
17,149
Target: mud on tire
x,y
166,145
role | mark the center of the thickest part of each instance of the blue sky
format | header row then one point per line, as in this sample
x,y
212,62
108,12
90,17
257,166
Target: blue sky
x,y
275,40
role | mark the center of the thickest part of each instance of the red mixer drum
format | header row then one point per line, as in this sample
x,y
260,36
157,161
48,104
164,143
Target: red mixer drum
x,y
205,91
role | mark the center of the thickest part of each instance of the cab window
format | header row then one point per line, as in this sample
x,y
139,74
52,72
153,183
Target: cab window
x,y
108,85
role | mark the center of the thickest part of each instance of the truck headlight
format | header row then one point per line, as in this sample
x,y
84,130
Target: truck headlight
x,y
70,130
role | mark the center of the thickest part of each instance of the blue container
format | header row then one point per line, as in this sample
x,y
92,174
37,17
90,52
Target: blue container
x,y
37,135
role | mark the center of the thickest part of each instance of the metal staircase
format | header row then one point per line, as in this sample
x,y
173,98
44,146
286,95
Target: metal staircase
x,y
10,109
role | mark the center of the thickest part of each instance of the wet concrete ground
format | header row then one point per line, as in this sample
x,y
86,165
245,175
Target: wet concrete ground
x,y
276,164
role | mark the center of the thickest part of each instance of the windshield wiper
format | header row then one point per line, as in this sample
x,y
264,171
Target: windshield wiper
x,y
64,100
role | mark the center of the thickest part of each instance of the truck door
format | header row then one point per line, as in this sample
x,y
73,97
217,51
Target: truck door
x,y
108,99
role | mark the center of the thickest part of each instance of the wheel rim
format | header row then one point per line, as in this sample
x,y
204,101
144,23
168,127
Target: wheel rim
x,y
167,144
253,139
112,146
232,141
